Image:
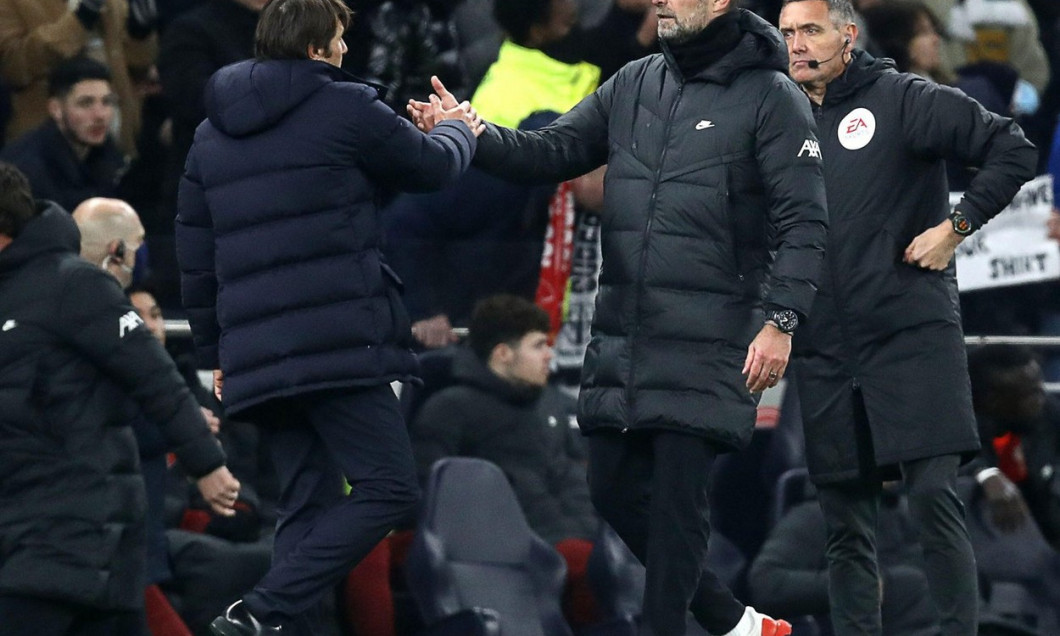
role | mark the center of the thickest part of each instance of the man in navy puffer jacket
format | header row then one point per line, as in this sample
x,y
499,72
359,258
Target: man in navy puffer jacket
x,y
289,301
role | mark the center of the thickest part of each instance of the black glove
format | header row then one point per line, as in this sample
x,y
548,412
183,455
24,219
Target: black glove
x,y
1008,510
87,12
143,14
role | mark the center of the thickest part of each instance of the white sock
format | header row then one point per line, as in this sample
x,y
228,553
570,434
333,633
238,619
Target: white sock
x,y
749,625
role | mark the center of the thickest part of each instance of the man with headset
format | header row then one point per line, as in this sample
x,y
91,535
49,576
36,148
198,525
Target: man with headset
x,y
880,363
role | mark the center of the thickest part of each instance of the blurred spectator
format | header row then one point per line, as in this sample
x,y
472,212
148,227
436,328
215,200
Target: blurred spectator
x,y
908,33
790,574
627,31
502,409
37,35
72,156
197,43
1003,31
1020,428
608,33
399,44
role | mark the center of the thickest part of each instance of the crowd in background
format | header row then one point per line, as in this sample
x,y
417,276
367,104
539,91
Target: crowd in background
x,y
101,98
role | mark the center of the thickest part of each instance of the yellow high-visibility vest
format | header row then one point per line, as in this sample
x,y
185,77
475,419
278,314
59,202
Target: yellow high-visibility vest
x,y
524,81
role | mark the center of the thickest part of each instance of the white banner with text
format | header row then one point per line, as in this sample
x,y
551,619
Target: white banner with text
x,y
1012,249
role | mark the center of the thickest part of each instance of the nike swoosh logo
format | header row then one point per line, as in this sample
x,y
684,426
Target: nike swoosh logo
x,y
704,124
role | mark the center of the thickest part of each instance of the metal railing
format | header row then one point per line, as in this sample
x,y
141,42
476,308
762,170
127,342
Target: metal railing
x,y
181,329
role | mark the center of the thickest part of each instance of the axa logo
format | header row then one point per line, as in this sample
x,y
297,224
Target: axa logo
x,y
128,322
703,124
9,325
811,148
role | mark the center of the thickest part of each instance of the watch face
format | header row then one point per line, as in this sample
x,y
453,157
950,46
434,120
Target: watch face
x,y
787,320
961,224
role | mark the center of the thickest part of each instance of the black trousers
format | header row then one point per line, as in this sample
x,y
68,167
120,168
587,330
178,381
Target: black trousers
x,y
317,441
851,510
31,616
653,487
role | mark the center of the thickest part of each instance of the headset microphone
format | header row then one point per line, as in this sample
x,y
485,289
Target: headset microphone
x,y
816,64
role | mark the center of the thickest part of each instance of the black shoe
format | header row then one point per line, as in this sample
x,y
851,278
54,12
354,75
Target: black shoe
x,y
238,621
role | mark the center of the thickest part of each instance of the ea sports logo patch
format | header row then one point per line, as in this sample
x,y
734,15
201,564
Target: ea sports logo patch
x,y
857,128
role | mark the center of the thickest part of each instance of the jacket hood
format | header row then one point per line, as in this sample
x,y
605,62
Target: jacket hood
x,y
250,96
761,46
469,370
52,230
864,69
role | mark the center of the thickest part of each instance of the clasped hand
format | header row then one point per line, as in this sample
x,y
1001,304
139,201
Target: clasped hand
x,y
440,106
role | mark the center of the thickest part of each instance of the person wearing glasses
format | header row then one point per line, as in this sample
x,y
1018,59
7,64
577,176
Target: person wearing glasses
x,y
73,155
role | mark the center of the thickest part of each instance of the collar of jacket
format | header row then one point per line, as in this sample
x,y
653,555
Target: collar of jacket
x,y
469,370
757,45
51,230
863,69
105,160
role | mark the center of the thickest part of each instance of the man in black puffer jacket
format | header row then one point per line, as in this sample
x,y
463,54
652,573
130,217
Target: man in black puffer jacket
x,y
72,501
881,365
713,231
501,408
278,239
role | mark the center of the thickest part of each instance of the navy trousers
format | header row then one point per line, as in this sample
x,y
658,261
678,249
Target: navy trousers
x,y
317,441
652,488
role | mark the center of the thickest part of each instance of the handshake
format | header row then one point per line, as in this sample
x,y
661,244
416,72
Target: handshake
x,y
143,14
440,106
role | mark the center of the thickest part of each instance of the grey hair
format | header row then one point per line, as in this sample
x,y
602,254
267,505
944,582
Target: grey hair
x,y
841,12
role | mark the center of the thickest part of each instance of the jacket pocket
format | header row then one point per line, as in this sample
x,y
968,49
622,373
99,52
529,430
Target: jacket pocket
x,y
400,323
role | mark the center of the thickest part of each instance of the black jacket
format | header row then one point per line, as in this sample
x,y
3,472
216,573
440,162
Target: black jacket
x,y
71,495
713,205
530,433
278,230
890,330
55,173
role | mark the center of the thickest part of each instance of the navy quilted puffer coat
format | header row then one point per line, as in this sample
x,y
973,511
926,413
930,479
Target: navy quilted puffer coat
x,y
278,229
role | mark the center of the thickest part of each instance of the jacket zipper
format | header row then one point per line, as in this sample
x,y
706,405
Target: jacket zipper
x,y
644,252
841,318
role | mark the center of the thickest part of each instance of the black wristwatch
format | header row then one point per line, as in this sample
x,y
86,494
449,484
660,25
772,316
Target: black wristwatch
x,y
785,320
961,224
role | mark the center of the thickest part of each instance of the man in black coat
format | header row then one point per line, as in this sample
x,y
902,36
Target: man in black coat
x,y
880,365
713,230
502,409
290,301
72,502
